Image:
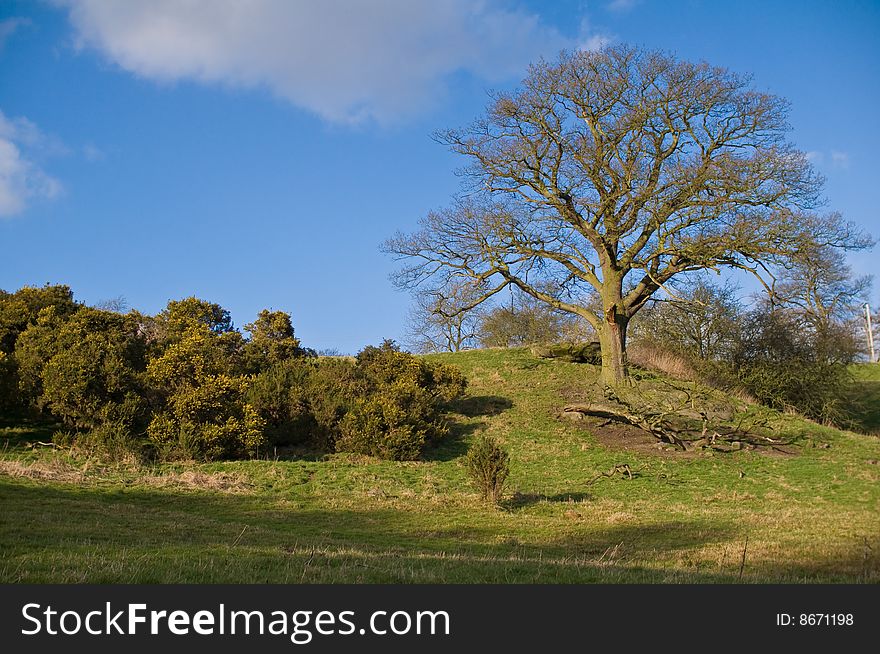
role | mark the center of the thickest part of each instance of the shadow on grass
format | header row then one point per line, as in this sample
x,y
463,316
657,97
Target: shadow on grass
x,y
136,535
863,407
474,406
520,500
454,444
20,429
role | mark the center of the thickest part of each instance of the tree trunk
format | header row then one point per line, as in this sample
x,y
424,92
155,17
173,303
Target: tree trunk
x,y
612,339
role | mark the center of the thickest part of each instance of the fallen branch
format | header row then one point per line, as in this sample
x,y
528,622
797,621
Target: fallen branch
x,y
622,468
652,423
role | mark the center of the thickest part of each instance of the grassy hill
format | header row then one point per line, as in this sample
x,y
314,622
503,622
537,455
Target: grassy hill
x,y
807,512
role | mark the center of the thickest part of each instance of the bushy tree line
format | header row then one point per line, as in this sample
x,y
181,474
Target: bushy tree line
x,y
434,325
790,349
186,383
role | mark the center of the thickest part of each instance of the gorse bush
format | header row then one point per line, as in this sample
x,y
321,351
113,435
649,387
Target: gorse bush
x,y
208,420
400,411
202,410
488,467
280,395
386,403
187,384
393,422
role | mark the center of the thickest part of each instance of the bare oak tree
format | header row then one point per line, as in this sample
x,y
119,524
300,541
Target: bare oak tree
x,y
610,172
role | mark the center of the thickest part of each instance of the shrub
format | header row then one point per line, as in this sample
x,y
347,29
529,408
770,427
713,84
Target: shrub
x,y
393,423
280,395
332,388
208,421
82,367
112,440
385,365
398,406
272,341
8,380
788,366
488,466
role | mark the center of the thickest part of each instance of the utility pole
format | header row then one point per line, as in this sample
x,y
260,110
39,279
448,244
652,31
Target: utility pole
x,y
873,359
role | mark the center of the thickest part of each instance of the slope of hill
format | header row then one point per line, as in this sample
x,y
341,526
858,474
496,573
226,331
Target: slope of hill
x,y
806,512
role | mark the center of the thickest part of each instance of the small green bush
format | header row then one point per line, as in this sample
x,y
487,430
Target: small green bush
x,y
488,466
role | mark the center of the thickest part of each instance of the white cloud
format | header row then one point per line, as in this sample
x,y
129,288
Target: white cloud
x,y
345,61
21,179
596,42
815,157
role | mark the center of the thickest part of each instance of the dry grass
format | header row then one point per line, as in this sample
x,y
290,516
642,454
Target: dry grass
x,y
654,358
65,471
224,482
42,470
651,357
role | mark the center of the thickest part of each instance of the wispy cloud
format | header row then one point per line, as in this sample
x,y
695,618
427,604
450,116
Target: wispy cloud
x,y
839,159
348,62
21,178
835,158
9,26
621,6
92,153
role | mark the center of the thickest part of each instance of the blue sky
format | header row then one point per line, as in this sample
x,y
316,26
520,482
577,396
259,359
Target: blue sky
x,y
256,154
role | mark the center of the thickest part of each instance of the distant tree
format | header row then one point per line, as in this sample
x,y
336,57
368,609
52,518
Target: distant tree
x,y
701,321
781,360
116,304
609,174
522,321
820,285
435,323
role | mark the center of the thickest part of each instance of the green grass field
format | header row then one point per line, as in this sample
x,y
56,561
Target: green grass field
x,y
810,513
